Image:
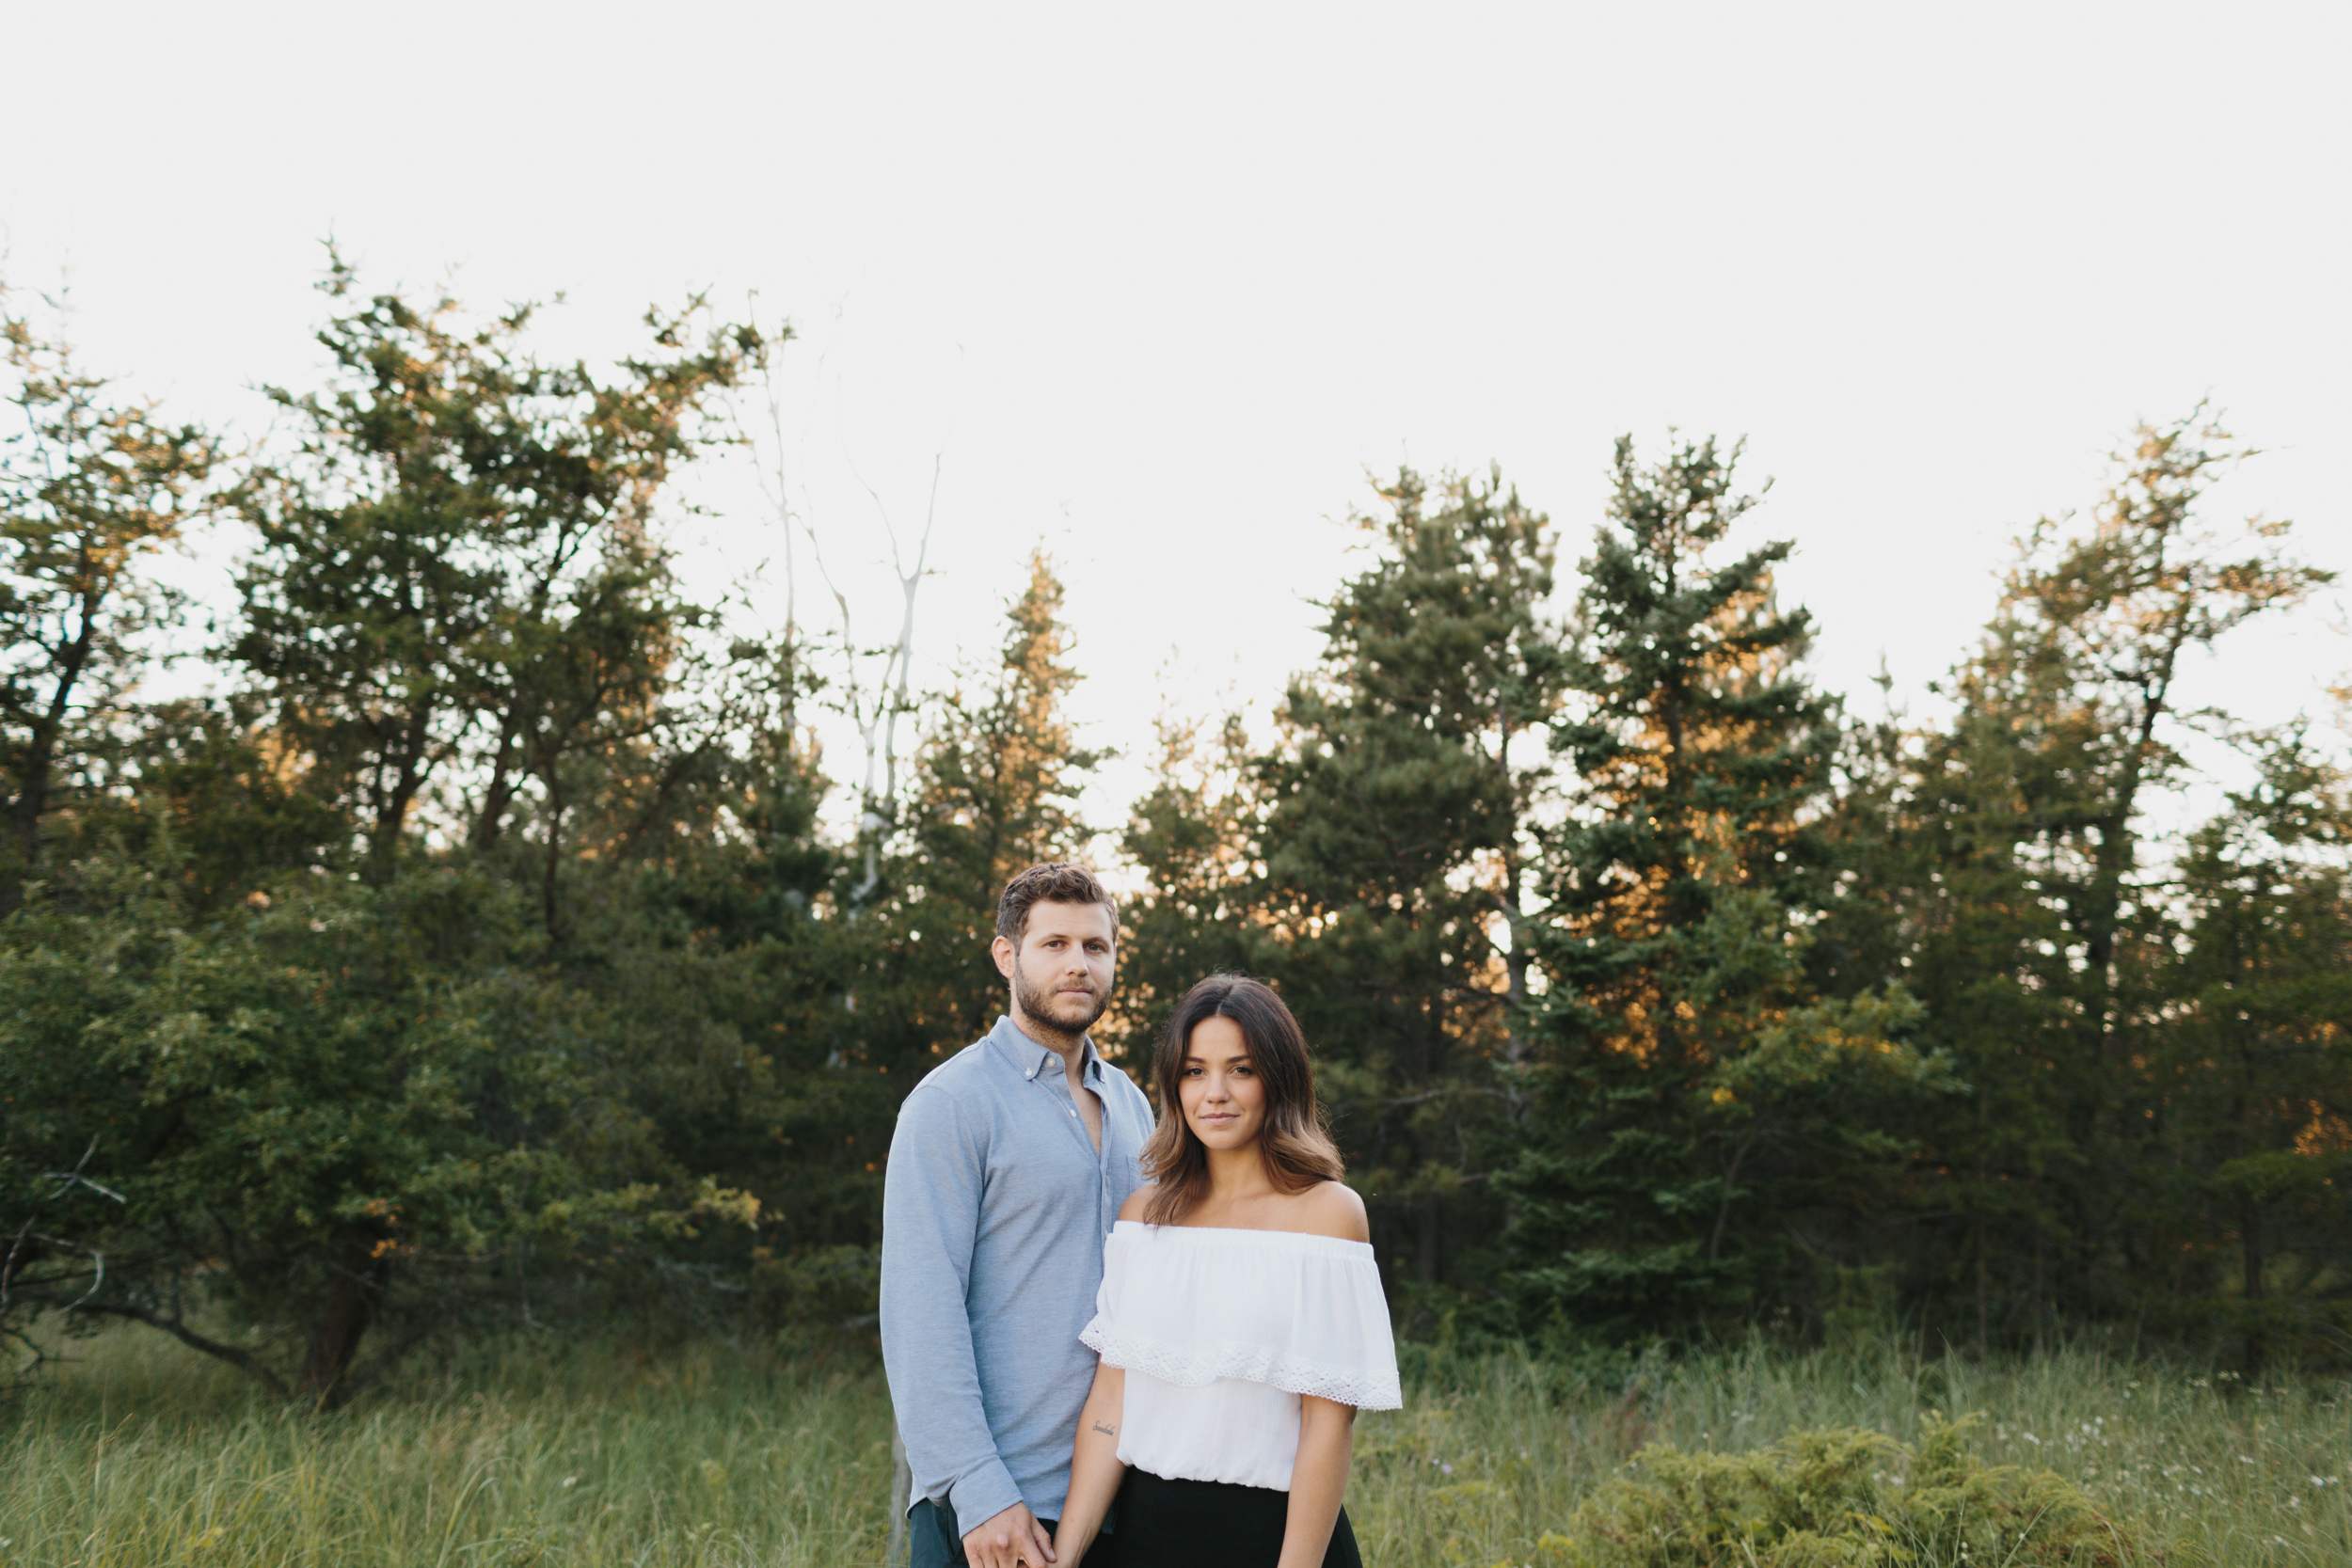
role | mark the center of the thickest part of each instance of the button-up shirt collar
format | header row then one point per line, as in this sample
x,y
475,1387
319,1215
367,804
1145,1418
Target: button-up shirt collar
x,y
1032,1059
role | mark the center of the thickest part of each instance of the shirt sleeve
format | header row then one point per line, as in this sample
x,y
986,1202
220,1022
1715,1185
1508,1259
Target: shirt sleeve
x,y
1105,1320
930,1221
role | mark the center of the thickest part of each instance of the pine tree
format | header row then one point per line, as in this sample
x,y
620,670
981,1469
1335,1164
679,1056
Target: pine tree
x,y
1193,837
996,790
2251,1102
1699,1100
1394,842
2007,885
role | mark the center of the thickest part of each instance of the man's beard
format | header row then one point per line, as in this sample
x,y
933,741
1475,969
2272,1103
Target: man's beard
x,y
1036,1005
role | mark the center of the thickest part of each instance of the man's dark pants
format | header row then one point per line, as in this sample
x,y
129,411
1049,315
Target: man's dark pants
x,y
938,1544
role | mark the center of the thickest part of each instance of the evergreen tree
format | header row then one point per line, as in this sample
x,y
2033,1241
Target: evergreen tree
x,y
996,790
1394,840
703,917
1701,1106
1192,839
2247,1227
2007,885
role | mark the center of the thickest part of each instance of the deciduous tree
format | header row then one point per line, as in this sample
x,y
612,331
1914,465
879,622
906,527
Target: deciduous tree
x,y
92,485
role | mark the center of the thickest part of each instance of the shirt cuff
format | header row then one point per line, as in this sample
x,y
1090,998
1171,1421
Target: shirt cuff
x,y
982,1495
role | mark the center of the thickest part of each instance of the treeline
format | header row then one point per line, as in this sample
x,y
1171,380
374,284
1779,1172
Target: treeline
x,y
482,955
1663,993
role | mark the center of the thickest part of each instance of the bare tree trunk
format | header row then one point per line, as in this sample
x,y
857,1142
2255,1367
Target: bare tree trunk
x,y
32,796
2038,1311
1514,957
391,811
499,793
1984,1178
343,1324
554,855
2249,1241
1731,1181
1983,1310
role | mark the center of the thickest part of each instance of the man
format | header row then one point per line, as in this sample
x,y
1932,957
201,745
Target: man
x,y
1007,1171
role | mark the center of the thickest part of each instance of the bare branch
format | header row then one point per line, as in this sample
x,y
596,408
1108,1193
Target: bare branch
x,y
244,1361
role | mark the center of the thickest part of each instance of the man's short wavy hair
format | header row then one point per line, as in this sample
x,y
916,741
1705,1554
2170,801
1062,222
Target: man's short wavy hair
x,y
1055,882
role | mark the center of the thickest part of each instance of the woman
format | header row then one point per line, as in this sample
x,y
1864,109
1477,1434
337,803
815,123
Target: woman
x,y
1240,1322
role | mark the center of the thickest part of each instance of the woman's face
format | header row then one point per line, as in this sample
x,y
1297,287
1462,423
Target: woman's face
x,y
1224,1098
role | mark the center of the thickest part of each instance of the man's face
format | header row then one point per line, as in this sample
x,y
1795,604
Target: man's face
x,y
1061,973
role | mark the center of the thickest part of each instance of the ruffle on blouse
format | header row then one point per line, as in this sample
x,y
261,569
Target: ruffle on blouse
x,y
1301,1313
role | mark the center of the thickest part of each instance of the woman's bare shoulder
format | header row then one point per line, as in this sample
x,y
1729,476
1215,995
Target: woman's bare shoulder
x,y
1331,1209
1137,1201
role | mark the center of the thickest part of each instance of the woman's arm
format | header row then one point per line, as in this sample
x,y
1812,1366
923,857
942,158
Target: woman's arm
x,y
1094,1466
1327,1429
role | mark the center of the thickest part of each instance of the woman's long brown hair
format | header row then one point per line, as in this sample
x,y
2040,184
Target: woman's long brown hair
x,y
1297,1152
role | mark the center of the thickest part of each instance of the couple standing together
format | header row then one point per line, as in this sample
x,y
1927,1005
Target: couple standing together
x,y
1111,1341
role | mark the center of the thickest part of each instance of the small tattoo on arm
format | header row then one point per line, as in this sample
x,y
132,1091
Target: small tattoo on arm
x,y
1107,1431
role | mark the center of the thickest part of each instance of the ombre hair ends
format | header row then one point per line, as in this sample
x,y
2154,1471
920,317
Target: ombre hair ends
x,y
1297,1152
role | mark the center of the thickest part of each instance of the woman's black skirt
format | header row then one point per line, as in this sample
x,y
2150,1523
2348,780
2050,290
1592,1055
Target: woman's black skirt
x,y
1187,1524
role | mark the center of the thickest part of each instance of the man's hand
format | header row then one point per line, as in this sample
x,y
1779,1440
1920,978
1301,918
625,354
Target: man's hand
x,y
1012,1538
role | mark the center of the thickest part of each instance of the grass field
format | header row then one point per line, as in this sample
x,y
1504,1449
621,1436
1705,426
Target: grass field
x,y
139,1454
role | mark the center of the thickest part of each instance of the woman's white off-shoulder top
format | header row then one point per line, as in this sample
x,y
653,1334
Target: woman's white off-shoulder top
x,y
1221,1331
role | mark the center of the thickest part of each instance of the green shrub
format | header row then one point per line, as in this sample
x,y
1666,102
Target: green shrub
x,y
822,1300
1847,1498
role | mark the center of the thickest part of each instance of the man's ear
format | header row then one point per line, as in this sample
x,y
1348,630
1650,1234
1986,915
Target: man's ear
x,y
1001,950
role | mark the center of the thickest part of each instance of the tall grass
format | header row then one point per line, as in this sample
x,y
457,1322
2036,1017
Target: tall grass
x,y
691,1457
1490,1453
703,1455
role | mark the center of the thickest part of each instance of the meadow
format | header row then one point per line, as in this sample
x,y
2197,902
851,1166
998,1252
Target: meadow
x,y
708,1455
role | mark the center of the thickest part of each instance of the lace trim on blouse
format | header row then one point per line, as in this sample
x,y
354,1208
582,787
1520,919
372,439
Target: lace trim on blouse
x,y
1301,1313
1200,1367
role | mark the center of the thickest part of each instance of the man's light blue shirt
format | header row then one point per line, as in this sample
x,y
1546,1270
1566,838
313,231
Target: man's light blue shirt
x,y
995,1210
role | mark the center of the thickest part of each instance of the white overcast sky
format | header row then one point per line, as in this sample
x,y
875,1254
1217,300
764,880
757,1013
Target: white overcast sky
x,y
1158,285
